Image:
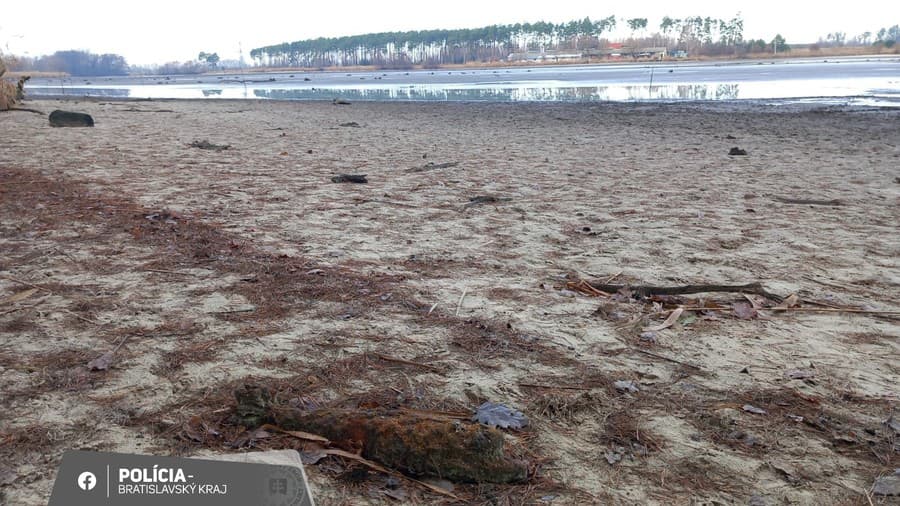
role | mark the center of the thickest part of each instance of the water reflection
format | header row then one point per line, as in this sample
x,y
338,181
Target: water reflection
x,y
512,94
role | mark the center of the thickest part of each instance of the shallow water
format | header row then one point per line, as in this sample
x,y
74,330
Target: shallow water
x,y
868,81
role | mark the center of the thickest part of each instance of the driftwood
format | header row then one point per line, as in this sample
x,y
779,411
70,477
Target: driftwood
x,y
812,202
350,178
416,443
647,290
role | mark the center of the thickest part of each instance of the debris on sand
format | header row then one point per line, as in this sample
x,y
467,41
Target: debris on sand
x,y
351,124
350,178
498,415
59,118
485,199
433,166
205,144
413,442
888,485
340,101
749,408
811,202
737,152
626,386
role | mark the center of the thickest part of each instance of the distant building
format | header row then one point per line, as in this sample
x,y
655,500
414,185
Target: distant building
x,y
545,56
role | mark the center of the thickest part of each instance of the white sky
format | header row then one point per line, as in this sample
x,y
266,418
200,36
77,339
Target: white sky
x,y
167,30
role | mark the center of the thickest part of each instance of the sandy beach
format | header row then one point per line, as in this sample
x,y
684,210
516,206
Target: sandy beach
x,y
208,269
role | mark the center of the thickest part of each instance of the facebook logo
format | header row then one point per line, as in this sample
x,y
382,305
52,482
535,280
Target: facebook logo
x,y
87,481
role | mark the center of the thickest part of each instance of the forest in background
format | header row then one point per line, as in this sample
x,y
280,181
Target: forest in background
x,y
696,36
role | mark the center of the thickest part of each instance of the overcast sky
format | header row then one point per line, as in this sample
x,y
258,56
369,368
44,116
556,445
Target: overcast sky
x,y
166,30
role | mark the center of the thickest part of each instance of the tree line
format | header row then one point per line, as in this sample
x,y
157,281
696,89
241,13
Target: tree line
x,y
76,63
697,34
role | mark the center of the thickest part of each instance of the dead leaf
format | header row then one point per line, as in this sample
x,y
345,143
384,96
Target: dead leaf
x,y
102,362
249,436
791,301
311,454
744,311
673,317
19,296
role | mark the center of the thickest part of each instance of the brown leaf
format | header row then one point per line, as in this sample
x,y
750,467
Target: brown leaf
x,y
19,296
102,362
744,311
791,301
249,437
673,317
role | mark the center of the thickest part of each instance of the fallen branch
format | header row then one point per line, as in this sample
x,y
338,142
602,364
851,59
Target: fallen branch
x,y
802,310
372,465
461,297
812,202
648,290
406,362
25,109
553,387
26,283
668,359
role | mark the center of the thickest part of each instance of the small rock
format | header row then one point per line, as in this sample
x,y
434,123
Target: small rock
x,y
498,415
737,152
753,409
612,457
60,118
626,386
758,500
888,485
649,336
800,374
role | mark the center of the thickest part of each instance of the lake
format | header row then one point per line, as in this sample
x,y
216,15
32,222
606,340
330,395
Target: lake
x,y
871,80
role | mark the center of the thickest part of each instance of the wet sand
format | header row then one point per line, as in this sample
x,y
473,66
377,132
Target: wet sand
x,y
219,266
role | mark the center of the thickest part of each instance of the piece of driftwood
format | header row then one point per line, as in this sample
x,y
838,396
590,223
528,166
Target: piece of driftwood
x,y
350,178
26,109
648,290
415,443
811,202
